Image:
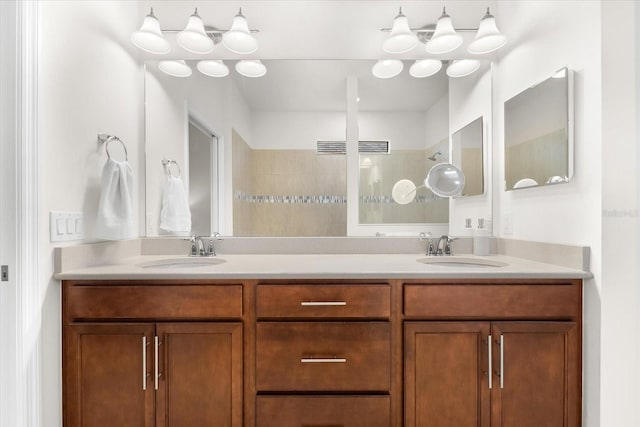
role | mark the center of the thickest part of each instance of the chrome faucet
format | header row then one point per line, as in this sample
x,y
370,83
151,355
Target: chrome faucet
x,y
444,245
203,245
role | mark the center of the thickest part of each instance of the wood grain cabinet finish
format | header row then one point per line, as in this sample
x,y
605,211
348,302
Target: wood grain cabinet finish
x,y
323,356
324,301
495,372
323,411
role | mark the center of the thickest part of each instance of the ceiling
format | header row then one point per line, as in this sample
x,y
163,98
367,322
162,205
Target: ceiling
x,y
315,29
293,30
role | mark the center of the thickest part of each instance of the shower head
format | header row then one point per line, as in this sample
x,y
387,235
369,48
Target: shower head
x,y
434,156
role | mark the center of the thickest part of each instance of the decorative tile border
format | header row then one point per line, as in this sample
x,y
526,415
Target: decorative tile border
x,y
266,199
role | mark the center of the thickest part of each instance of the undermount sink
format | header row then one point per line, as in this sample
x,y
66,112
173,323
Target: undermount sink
x,y
457,262
182,262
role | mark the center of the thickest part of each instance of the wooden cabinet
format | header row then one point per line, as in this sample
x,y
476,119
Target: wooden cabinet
x,y
498,372
329,341
335,353
152,372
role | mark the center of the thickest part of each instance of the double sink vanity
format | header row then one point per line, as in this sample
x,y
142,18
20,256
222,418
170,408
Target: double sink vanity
x,y
318,339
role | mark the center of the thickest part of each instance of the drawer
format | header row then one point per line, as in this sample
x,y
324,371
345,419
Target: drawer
x,y
323,356
323,411
495,301
157,302
323,301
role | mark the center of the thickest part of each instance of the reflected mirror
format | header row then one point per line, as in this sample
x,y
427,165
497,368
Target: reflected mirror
x,y
466,148
539,135
411,115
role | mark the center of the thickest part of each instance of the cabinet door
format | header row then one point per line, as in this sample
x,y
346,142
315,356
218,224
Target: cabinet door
x,y
537,370
446,374
200,368
106,375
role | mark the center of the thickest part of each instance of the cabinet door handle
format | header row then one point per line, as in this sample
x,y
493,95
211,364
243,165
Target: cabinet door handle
x,y
490,355
501,361
144,363
323,360
156,369
322,303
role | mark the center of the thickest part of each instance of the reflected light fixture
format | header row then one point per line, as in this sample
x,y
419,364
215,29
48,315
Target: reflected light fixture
x,y
425,68
488,37
445,39
239,39
463,67
401,39
194,38
149,37
213,68
175,68
251,68
387,68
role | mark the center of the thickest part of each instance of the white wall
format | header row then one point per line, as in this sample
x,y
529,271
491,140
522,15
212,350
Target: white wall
x,y
436,123
470,98
290,130
596,39
89,82
620,363
404,129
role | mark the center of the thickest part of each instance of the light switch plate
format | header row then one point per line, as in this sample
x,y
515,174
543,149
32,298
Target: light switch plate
x,y
65,226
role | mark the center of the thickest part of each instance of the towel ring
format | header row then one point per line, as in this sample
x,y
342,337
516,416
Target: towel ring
x,y
167,164
106,139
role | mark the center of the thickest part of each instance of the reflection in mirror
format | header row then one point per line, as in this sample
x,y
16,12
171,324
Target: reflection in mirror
x,y
538,134
285,180
412,115
466,149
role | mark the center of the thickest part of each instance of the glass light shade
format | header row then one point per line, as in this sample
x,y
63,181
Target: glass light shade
x,y
239,39
425,68
463,67
149,37
175,68
444,39
213,68
387,68
194,38
488,38
401,39
251,68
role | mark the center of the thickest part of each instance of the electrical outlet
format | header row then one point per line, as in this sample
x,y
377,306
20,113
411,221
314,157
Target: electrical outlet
x,y
4,273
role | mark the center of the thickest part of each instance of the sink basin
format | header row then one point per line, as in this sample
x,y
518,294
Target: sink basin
x,y
182,262
457,262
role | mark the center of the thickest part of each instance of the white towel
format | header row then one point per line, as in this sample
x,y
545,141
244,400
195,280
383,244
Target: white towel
x,y
115,210
175,215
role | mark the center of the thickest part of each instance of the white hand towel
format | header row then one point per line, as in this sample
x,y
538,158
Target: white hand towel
x,y
115,210
175,215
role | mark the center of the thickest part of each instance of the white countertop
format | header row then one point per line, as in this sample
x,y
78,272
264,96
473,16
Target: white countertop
x,y
323,266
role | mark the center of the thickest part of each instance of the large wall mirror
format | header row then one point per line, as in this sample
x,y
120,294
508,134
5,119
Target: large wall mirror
x,y
266,156
538,134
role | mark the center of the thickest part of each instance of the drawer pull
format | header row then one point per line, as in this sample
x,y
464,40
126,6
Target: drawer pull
x,y
489,356
322,303
323,360
144,362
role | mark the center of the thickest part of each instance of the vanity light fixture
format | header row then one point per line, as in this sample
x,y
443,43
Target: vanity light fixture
x,y
463,67
175,68
149,37
251,68
425,68
401,39
213,68
445,39
387,68
194,38
488,39
239,39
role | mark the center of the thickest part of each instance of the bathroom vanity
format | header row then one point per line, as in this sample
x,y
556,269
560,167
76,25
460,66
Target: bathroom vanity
x,y
430,346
